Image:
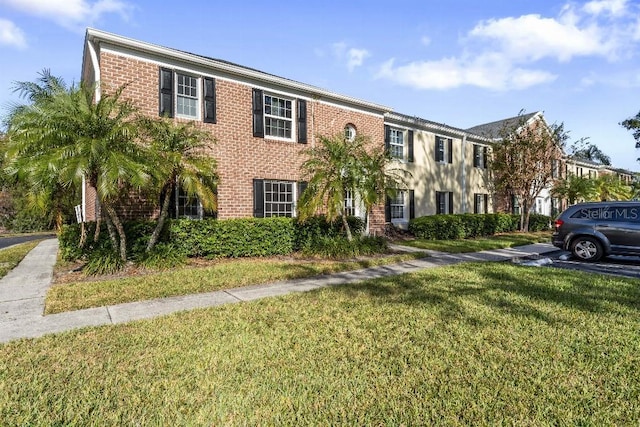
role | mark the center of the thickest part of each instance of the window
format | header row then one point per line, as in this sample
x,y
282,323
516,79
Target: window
x,y
186,96
278,118
397,206
187,207
555,168
480,205
349,203
479,156
350,132
444,147
278,198
396,143
444,202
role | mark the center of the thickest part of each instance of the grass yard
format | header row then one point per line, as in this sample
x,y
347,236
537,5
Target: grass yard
x,y
499,241
225,274
11,256
473,344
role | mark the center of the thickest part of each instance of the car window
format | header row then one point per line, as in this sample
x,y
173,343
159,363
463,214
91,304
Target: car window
x,y
609,213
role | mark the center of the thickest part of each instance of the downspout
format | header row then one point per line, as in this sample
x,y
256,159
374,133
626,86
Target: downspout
x,y
95,65
463,205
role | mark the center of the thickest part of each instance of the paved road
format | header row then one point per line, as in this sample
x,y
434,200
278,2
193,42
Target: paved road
x,y
616,265
5,242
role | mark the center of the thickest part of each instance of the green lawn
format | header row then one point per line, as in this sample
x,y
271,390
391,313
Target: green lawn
x,y
11,256
498,241
473,344
183,281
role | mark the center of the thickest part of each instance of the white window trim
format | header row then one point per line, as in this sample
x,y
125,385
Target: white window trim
x,y
405,208
402,133
198,95
294,196
358,206
294,106
445,155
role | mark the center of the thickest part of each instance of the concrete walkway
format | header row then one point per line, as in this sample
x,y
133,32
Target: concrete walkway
x,y
23,291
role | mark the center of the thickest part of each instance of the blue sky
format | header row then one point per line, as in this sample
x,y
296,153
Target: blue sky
x,y
459,62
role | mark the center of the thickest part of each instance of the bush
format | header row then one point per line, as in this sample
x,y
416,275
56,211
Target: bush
x,y
313,229
462,226
340,247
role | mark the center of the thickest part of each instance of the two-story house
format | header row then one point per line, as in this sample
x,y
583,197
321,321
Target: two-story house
x,y
261,122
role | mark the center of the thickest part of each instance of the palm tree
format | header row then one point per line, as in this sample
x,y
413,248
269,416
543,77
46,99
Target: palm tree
x,y
610,187
337,166
180,162
574,188
69,136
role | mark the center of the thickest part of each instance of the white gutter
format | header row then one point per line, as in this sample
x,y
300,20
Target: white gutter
x,y
96,68
97,36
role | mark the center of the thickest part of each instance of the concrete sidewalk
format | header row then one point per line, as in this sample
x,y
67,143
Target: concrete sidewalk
x,y
23,290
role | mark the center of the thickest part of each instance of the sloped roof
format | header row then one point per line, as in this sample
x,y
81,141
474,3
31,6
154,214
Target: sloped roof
x,y
492,130
418,121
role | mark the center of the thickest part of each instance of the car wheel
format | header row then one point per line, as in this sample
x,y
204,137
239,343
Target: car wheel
x,y
586,248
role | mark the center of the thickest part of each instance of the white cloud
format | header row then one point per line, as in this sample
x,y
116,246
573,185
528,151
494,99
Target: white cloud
x,y
531,37
487,72
426,41
70,13
504,53
356,58
352,57
11,35
610,7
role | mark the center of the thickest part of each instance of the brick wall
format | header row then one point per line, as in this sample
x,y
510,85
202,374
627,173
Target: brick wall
x,y
240,156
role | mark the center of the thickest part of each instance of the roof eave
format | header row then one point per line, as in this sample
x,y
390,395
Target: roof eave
x,y
95,35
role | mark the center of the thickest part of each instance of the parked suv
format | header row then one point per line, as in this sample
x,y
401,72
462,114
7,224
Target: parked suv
x,y
593,230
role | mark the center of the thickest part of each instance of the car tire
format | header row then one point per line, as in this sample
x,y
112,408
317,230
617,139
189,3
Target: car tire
x,y
586,248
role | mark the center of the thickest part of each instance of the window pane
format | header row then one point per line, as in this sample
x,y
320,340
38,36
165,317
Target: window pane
x,y
280,195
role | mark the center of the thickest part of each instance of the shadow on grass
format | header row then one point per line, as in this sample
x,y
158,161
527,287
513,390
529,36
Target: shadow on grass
x,y
515,290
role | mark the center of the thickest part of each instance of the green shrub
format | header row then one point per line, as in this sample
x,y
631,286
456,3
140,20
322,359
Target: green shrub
x,y
103,260
234,238
162,256
340,247
312,229
463,226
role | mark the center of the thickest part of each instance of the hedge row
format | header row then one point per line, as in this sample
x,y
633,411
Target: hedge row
x,y
211,238
462,226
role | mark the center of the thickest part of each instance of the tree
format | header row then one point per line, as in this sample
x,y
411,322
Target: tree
x,y
45,196
633,124
337,166
590,152
574,188
181,162
69,136
610,187
523,160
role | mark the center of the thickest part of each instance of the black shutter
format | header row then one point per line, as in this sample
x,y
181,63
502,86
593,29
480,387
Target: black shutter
x,y
450,150
302,121
484,157
438,202
486,203
209,100
438,152
412,204
450,202
302,185
476,204
387,209
258,198
410,157
258,114
166,92
387,137
476,156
